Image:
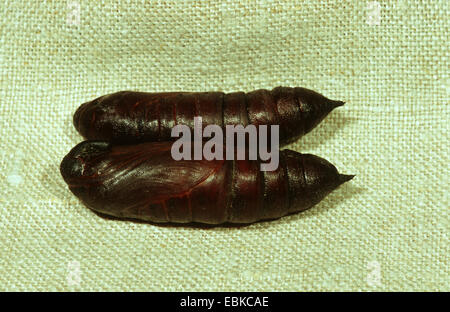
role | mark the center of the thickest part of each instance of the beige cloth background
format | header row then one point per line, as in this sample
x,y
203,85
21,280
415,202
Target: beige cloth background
x,y
386,230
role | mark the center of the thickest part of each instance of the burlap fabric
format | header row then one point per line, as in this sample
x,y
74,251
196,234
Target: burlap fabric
x,y
385,230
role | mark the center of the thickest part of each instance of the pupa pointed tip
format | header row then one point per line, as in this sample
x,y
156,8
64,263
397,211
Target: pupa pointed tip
x,y
335,104
345,177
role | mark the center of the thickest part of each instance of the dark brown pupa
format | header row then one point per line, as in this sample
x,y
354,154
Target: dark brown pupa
x,y
134,117
143,182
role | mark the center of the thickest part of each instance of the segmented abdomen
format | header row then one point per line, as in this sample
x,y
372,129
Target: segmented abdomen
x,y
143,182
132,117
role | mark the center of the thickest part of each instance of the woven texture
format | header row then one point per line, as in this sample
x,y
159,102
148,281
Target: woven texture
x,y
387,229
